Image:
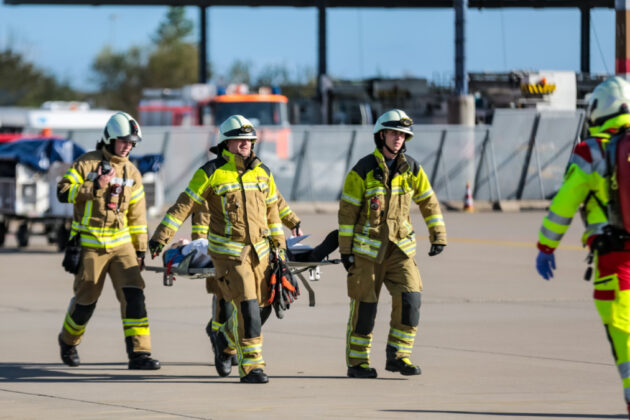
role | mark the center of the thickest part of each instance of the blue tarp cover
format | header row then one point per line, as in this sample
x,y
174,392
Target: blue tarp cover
x,y
147,163
40,153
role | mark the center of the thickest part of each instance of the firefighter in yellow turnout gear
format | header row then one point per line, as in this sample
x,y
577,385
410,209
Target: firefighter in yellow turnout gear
x,y
242,202
222,310
588,183
110,224
377,244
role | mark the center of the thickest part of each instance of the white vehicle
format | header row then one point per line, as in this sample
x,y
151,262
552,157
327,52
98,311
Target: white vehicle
x,y
52,116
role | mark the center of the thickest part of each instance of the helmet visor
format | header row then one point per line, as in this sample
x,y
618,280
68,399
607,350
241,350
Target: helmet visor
x,y
245,130
404,123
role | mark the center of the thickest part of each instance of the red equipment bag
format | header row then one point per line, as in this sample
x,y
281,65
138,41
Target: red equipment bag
x,y
619,206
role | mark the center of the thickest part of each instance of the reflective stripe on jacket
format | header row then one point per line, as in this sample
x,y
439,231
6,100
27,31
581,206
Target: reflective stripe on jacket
x,y
372,212
242,203
201,218
98,225
585,182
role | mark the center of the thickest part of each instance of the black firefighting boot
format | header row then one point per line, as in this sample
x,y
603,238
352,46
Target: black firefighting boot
x,y
69,354
143,361
402,365
361,371
222,360
213,337
255,376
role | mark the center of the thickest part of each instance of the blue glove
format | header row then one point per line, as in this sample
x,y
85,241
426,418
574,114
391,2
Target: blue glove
x,y
545,264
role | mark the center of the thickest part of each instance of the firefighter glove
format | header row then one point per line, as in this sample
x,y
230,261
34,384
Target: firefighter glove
x,y
347,260
155,248
545,264
436,249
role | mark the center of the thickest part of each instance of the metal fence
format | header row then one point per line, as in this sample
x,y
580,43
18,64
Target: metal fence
x,y
522,155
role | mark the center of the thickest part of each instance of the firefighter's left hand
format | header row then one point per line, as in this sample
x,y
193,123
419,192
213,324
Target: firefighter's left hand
x,y
545,264
297,230
436,249
140,256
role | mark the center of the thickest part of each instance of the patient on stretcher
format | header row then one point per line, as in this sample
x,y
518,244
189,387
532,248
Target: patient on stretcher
x,y
296,251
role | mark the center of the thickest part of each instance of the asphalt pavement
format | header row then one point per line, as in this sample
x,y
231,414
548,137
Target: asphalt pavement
x,y
495,341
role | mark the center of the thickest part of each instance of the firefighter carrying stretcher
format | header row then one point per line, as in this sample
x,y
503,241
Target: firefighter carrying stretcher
x,y
221,309
242,202
377,244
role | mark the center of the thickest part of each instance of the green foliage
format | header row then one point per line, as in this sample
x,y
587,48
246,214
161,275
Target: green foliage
x,y
174,29
172,66
170,62
120,77
240,72
23,84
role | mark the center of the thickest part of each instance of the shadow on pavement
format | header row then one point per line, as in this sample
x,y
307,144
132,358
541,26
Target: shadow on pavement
x,y
499,414
118,372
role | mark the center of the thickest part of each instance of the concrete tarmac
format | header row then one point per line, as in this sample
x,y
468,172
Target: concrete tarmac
x,y
495,341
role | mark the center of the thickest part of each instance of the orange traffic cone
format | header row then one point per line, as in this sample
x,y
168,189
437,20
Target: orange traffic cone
x,y
469,206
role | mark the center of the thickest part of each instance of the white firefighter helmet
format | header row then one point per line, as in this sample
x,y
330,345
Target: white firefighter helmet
x,y
122,126
609,99
397,120
237,127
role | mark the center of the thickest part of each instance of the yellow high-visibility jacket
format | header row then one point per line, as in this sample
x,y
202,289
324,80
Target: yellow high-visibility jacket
x,y
98,225
242,203
201,218
586,182
373,211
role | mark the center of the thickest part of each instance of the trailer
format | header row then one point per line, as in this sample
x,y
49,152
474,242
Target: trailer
x,y
29,171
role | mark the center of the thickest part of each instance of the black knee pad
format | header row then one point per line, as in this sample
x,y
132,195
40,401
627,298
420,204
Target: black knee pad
x,y
226,311
410,308
251,318
367,315
135,303
264,314
82,313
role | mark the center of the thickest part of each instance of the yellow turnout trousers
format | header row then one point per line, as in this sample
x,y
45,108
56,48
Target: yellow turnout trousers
x,y
400,275
244,284
122,266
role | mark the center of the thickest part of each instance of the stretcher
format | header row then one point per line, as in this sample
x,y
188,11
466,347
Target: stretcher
x,y
297,268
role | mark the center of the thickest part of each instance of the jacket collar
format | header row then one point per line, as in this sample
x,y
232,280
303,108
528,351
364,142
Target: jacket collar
x,y
400,164
240,163
120,160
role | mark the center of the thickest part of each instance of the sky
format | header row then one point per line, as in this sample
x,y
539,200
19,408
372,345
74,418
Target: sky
x,y
362,43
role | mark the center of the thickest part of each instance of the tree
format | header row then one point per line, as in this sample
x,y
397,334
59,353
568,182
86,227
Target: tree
x,y
23,84
174,29
120,77
240,72
170,62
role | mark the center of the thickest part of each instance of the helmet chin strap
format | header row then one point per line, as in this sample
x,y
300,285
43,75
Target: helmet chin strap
x,y
390,150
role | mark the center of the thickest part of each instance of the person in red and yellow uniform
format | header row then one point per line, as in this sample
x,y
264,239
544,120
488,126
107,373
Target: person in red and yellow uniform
x,y
590,182
110,225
